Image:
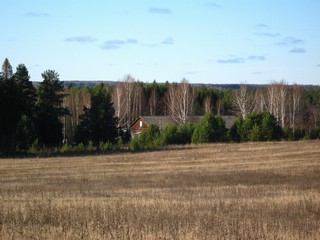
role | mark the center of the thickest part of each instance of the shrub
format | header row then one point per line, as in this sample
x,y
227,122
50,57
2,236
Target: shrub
x,y
147,139
91,147
66,148
104,147
168,135
184,133
79,148
210,129
256,127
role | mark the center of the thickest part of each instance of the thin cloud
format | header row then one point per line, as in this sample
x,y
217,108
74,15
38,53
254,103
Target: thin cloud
x,y
256,58
290,41
213,5
191,72
261,26
267,34
116,44
160,10
318,65
297,50
81,39
258,73
242,59
168,41
37,14
232,60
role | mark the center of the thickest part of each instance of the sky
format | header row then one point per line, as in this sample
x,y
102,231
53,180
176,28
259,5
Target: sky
x,y
217,42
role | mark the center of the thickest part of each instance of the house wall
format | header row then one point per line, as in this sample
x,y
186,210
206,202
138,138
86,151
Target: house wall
x,y
138,127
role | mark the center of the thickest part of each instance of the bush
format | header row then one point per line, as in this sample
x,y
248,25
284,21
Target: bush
x,y
256,127
168,135
147,139
104,147
91,147
210,129
66,148
79,148
184,133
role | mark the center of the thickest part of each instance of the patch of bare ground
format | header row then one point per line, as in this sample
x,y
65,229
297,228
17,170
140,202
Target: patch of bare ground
x,y
216,191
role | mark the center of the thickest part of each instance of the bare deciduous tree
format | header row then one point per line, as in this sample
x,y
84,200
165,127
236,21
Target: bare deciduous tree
x,y
243,101
295,106
127,97
277,101
180,101
259,101
75,100
119,102
207,104
152,102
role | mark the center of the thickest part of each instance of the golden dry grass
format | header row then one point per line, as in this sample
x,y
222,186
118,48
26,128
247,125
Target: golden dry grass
x,y
216,191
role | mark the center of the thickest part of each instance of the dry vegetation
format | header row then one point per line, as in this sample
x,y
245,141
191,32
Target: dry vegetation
x,y
218,191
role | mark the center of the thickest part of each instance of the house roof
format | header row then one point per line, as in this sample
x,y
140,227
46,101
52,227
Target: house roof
x,y
162,121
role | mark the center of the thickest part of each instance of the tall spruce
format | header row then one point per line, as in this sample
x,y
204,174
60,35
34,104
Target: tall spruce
x,y
50,109
10,109
98,123
7,69
26,130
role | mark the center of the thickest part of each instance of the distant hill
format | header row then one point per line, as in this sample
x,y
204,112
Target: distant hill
x,y
87,83
91,83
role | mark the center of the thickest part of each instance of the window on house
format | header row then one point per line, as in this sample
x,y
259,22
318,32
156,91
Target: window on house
x,y
141,124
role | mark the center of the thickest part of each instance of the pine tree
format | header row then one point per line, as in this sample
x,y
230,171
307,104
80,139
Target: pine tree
x,y
26,132
98,122
10,111
7,69
50,109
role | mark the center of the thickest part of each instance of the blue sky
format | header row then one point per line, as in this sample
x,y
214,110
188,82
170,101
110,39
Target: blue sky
x,y
229,41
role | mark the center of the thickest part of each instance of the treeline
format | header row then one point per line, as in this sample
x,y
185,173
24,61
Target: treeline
x,y
97,118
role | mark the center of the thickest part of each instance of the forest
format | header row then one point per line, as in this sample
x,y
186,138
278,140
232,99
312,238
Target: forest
x,y
59,116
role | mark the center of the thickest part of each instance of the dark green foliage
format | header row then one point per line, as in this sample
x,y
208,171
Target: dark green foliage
x,y
210,129
256,127
184,133
149,139
28,96
221,100
49,109
6,69
168,135
26,131
98,123
10,113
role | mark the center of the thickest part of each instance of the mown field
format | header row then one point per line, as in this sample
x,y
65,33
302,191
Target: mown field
x,y
217,191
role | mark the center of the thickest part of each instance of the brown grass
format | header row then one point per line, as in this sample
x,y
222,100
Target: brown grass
x,y
217,191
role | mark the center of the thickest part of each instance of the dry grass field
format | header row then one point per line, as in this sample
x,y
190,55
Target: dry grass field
x,y
217,191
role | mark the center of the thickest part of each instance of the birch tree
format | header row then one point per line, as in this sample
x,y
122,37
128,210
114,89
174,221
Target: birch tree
x,y
243,101
127,98
277,101
180,101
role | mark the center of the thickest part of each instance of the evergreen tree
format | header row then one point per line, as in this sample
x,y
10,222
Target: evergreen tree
x,y
50,109
26,130
10,113
98,122
256,127
28,90
7,69
210,129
